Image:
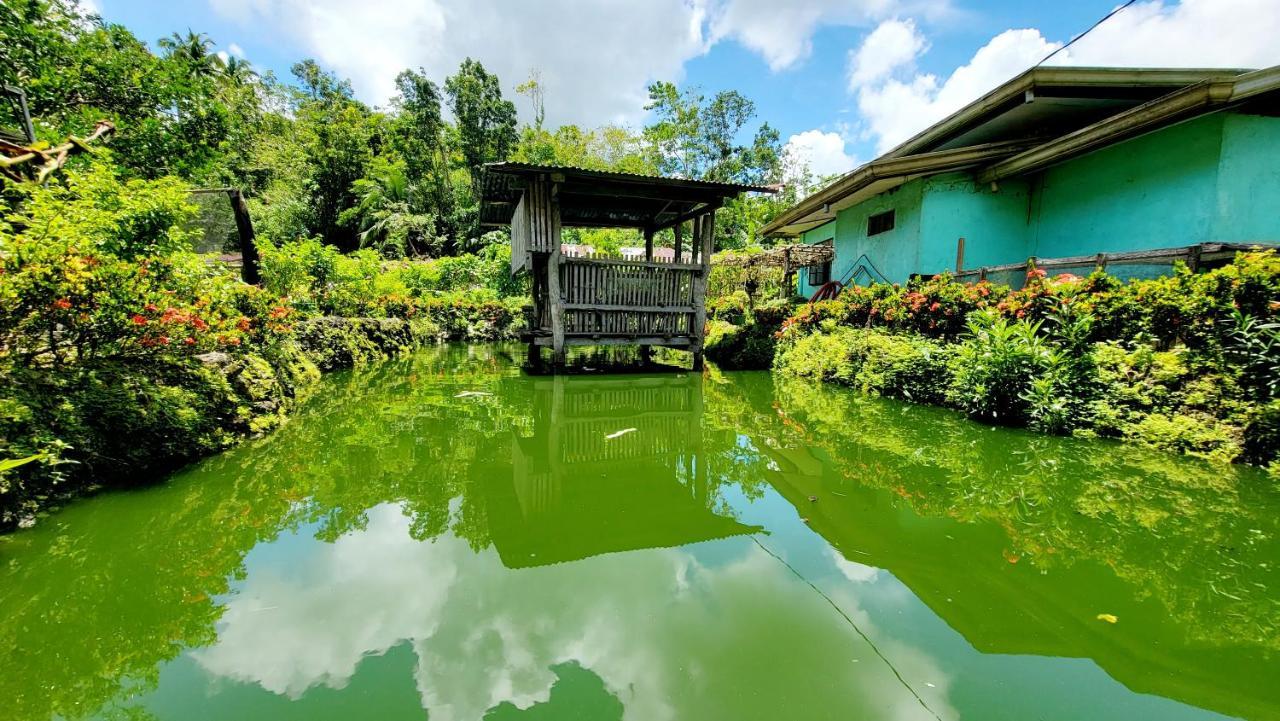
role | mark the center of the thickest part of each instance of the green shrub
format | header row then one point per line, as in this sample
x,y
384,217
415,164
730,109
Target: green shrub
x,y
900,366
993,369
1196,435
825,356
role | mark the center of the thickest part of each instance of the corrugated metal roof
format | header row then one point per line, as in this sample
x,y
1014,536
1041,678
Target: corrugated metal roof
x,y
603,198
512,168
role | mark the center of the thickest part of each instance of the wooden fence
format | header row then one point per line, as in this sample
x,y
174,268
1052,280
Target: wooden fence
x,y
611,297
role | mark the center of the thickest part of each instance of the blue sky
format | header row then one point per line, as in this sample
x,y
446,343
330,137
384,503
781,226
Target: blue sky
x,y
842,80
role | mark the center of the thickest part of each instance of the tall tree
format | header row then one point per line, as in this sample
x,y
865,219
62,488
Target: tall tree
x,y
320,85
339,136
191,51
418,132
486,121
696,138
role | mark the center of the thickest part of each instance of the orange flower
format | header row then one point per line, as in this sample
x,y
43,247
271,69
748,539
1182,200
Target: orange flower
x,y
243,325
62,303
138,319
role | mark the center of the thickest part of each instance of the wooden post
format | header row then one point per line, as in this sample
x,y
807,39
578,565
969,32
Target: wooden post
x,y
1193,257
244,228
555,296
646,353
703,238
648,244
959,256
788,289
679,245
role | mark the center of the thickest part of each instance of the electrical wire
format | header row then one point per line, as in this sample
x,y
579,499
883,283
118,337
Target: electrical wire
x,y
853,625
1086,32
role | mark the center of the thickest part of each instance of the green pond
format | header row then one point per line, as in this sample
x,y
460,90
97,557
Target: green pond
x,y
444,537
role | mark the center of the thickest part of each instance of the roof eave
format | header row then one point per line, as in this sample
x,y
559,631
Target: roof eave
x,y
1054,76
1199,99
941,161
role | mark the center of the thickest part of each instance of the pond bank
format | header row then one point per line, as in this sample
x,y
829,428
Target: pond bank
x,y
1188,363
119,424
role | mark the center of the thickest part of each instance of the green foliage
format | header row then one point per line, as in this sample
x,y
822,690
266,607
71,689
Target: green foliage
x,y
121,351
486,120
895,366
1188,363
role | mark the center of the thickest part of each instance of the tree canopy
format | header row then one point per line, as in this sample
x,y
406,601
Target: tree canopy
x,y
315,161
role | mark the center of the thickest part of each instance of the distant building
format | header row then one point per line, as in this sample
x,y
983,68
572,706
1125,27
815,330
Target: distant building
x,y
661,255
1061,163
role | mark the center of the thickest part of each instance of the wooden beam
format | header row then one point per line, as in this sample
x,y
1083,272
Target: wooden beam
x,y
648,244
649,192
675,341
630,308
689,215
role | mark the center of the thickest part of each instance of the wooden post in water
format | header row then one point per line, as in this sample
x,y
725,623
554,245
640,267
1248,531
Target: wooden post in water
x,y
646,352
555,294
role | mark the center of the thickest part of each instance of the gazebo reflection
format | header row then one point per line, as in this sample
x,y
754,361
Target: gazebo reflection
x,y
610,465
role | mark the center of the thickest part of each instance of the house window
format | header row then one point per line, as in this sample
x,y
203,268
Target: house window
x,y
820,274
880,223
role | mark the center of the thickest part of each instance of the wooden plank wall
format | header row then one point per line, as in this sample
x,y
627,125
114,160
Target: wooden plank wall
x,y
625,298
520,236
544,236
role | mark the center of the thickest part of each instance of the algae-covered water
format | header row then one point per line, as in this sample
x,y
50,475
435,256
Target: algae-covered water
x,y
445,538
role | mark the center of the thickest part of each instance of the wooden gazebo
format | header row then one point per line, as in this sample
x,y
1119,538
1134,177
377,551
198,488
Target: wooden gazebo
x,y
608,301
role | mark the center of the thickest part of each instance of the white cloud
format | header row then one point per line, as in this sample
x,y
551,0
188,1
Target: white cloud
x,y
1193,33
822,153
223,56
894,44
484,634
896,104
235,50
595,59
894,110
90,7
782,32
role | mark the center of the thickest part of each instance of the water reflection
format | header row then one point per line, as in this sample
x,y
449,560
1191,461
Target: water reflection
x,y
446,534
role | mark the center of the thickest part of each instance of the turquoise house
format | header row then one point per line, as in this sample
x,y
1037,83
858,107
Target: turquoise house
x,y
1074,167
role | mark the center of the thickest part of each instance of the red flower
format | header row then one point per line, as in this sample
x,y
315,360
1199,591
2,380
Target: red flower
x,y
62,303
138,319
199,324
935,306
150,308
243,325
279,311
189,340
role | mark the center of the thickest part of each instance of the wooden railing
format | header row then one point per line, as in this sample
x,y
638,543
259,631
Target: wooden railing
x,y
611,297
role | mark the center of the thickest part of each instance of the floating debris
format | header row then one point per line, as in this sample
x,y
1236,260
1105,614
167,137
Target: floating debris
x,y
619,434
1107,617
472,394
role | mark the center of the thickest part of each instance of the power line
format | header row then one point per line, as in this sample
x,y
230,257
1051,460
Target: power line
x,y
1086,32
